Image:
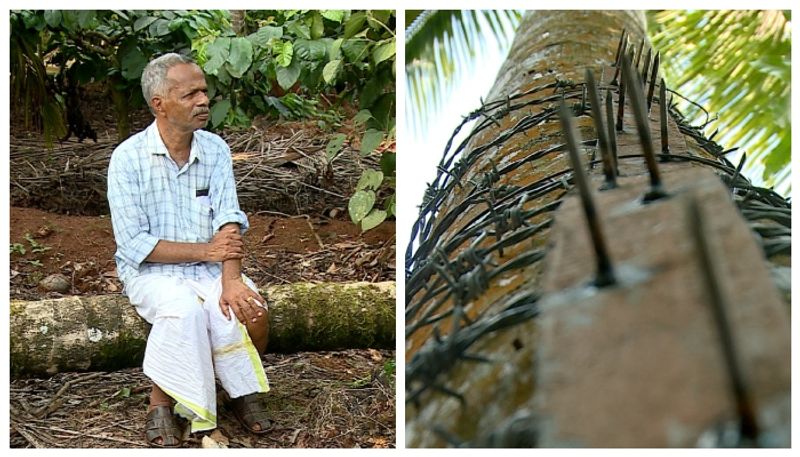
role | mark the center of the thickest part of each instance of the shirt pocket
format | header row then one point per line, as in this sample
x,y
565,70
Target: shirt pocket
x,y
201,216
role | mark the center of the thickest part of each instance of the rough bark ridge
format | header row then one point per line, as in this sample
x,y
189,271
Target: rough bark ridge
x,y
105,333
474,280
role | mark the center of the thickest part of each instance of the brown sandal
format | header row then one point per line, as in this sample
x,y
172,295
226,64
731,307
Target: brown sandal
x,y
161,423
251,410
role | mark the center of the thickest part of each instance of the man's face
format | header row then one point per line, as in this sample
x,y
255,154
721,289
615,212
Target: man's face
x,y
186,104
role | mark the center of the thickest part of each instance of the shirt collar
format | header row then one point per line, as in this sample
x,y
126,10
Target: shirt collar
x,y
159,148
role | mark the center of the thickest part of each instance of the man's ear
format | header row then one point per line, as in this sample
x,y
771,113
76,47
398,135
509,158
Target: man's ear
x,y
157,103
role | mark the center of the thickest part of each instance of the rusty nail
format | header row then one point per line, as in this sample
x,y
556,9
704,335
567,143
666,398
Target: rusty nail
x,y
620,50
602,140
643,126
621,104
639,54
653,76
712,272
612,132
646,65
662,107
605,272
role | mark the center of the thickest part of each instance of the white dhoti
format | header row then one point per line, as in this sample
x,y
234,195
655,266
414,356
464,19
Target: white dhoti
x,y
192,341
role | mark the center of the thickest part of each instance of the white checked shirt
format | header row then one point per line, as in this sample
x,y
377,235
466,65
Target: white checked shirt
x,y
151,199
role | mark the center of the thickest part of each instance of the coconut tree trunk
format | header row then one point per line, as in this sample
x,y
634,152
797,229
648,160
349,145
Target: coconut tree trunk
x,y
104,332
498,252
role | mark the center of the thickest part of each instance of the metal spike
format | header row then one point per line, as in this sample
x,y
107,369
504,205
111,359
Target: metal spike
x,y
646,66
621,47
605,272
738,170
602,140
643,126
621,104
712,277
662,107
639,54
612,132
583,101
653,76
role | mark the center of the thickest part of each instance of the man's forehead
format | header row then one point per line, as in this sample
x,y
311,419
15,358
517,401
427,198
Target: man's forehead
x,y
185,72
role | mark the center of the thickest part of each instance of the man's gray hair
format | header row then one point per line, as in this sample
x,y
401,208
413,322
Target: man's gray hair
x,y
154,75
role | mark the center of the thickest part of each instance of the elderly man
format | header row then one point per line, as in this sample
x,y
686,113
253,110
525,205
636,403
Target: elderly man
x,y
178,230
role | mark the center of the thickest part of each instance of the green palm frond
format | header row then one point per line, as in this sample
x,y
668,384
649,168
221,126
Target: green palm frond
x,y
737,65
441,45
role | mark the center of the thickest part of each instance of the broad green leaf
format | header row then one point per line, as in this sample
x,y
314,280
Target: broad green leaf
x,y
85,18
383,52
132,63
370,92
53,18
331,71
299,29
355,49
125,392
217,53
311,50
370,179
371,140
262,36
283,53
69,19
240,57
334,145
363,116
391,205
335,49
389,163
317,26
355,24
169,15
219,111
159,28
360,204
287,76
382,16
373,219
333,15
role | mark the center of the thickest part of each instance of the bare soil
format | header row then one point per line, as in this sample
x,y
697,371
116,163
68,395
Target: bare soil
x,y
280,250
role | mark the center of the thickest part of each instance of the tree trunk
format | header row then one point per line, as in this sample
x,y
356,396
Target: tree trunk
x,y
238,22
122,110
105,333
486,254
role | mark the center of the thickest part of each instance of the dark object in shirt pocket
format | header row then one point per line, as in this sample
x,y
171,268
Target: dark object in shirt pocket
x,y
201,193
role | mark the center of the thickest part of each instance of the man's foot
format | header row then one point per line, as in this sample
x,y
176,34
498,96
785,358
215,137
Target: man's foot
x,y
251,411
162,428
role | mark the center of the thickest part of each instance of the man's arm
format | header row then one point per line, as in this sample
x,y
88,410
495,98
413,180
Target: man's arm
x,y
226,246
236,296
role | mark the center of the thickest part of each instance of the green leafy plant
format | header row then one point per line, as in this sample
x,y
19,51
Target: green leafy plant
x,y
36,247
17,248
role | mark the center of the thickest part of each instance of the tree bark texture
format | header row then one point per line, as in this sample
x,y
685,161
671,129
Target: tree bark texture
x,y
467,289
105,333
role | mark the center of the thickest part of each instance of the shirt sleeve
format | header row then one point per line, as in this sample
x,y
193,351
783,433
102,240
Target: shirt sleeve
x,y
131,226
224,201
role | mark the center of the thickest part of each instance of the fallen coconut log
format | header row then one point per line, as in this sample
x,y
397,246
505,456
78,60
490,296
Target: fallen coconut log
x,y
104,332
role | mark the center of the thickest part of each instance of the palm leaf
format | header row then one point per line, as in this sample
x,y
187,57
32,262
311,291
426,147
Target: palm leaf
x,y
440,45
737,65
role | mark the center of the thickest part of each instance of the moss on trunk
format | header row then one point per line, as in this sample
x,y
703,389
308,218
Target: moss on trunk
x,y
105,333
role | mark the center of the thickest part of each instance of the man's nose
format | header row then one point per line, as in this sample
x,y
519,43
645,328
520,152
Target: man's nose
x,y
203,101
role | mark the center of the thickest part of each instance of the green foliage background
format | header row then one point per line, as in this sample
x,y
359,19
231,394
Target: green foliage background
x,y
281,64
